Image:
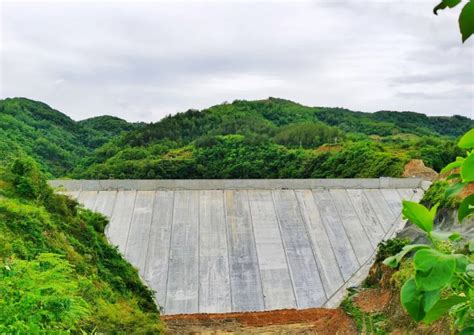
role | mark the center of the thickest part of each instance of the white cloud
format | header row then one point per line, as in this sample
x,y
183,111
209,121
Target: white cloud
x,y
143,60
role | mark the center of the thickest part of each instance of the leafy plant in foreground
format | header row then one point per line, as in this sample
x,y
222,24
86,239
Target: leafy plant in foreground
x,y
443,282
466,18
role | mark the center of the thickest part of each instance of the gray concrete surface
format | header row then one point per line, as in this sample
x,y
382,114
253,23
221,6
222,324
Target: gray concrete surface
x,y
235,184
250,246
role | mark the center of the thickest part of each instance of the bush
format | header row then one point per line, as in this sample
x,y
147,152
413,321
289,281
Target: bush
x,y
57,271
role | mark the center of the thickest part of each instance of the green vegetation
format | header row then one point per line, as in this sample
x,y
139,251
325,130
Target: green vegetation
x,y
436,194
277,138
389,248
442,278
308,135
466,18
53,139
58,274
271,138
366,323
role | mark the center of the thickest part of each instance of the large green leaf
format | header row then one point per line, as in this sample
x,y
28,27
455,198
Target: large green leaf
x,y
451,3
433,269
412,300
466,21
445,235
430,298
461,262
445,3
441,307
467,140
418,214
467,169
393,261
451,166
466,208
416,302
467,331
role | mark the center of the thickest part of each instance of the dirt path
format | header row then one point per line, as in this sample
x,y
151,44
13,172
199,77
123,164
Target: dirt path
x,y
288,321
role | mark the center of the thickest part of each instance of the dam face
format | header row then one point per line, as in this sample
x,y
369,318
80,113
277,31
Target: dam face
x,y
208,246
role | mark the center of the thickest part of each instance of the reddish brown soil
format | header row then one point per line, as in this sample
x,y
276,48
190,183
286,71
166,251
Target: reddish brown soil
x,y
416,168
466,191
289,321
329,147
373,300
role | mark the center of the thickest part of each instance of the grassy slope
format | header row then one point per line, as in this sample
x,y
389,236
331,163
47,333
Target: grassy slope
x,y
57,271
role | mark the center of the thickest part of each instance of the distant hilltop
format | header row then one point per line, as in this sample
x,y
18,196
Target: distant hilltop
x,y
271,138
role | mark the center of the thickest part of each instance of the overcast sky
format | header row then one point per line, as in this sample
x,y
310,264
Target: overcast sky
x,y
144,60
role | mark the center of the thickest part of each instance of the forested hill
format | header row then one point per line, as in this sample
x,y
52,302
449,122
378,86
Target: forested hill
x,y
277,138
268,115
53,139
271,138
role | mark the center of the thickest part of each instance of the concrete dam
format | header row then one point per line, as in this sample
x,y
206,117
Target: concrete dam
x,y
208,246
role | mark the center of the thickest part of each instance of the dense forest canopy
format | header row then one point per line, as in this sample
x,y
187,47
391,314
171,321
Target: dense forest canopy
x,y
53,139
272,138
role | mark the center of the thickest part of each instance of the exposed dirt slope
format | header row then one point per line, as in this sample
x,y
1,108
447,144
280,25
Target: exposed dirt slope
x,y
416,168
289,321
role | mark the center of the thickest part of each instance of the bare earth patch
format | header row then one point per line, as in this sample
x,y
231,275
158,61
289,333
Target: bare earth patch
x,y
287,321
416,168
373,300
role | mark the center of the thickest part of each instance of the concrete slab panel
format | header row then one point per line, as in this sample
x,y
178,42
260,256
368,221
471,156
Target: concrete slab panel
x,y
278,290
307,283
341,244
156,268
183,269
380,207
368,218
139,232
406,193
417,195
389,182
88,198
353,227
394,201
105,202
119,225
246,287
328,266
89,185
214,278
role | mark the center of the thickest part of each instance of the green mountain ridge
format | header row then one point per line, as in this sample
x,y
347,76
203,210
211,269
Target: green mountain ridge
x,y
276,138
271,138
52,138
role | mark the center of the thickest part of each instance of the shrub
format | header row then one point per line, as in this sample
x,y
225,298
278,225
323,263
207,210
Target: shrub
x,y
443,278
